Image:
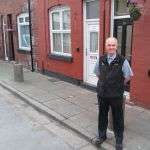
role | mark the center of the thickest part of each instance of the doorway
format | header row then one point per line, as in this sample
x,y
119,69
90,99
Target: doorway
x,y
92,51
123,32
91,40
10,38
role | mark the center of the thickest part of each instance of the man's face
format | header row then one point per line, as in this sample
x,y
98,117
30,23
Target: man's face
x,y
111,46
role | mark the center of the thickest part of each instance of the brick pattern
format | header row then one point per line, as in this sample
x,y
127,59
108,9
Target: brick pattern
x,y
21,6
74,69
140,85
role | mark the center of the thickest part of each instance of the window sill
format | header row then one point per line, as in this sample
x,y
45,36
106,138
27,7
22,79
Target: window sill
x,y
61,58
23,51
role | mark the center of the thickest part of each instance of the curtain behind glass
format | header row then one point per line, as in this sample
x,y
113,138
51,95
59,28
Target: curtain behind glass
x,y
25,36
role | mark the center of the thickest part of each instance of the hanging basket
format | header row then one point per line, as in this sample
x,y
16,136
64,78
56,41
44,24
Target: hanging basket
x,y
135,12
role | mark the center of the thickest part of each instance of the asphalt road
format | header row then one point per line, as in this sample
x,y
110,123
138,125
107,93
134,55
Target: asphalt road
x,y
23,128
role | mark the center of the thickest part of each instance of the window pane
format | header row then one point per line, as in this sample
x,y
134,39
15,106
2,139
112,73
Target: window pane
x,y
66,19
26,19
25,36
57,42
92,9
55,21
119,37
121,7
66,43
20,20
128,42
93,42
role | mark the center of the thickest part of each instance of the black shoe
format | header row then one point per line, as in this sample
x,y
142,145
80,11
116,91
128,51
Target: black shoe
x,y
98,141
119,146
119,143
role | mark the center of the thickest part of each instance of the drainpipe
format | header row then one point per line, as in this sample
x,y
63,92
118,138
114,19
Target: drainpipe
x,y
30,31
104,23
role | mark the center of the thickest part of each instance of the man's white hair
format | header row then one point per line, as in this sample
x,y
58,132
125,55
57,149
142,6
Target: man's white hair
x,y
111,39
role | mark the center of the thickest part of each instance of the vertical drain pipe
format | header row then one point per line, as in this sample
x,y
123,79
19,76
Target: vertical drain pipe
x,y
30,31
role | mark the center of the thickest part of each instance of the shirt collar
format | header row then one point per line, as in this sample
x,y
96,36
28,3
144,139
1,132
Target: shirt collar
x,y
111,57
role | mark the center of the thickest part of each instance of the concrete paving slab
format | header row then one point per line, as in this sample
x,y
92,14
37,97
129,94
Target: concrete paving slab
x,y
40,95
68,136
88,147
83,101
84,119
23,86
80,129
77,104
63,107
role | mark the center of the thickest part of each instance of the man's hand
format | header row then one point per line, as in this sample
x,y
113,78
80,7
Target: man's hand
x,y
126,80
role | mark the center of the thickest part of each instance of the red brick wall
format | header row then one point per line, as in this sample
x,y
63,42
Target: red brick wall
x,y
73,69
140,85
15,7
105,13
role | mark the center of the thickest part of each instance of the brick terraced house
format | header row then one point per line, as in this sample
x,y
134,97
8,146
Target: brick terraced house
x,y
68,37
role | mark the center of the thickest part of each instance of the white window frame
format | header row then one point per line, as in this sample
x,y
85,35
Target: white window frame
x,y
59,9
23,16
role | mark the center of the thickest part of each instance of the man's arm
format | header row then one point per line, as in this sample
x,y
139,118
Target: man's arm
x,y
127,71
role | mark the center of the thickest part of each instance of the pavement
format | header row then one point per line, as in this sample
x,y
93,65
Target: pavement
x,y
75,107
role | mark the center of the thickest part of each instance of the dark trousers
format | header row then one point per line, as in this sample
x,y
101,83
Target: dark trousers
x,y
116,105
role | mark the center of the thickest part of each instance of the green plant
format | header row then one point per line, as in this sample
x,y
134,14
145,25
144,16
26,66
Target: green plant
x,y
134,11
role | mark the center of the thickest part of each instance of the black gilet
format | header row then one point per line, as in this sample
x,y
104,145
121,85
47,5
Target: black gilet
x,y
111,79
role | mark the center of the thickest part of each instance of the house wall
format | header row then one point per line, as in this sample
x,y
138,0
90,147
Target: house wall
x,y
72,69
140,85
16,7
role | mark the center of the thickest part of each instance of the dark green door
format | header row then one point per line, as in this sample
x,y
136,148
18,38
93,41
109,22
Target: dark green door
x,y
123,32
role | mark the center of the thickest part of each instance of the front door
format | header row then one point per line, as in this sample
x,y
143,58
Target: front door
x,y
10,38
123,32
4,38
92,51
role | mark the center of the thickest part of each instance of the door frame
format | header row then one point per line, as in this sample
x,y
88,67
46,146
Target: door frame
x,y
4,39
113,18
10,37
85,21
123,22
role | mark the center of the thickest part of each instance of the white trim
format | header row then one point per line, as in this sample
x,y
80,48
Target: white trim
x,y
23,16
85,22
91,20
59,9
4,38
121,17
112,18
84,41
88,1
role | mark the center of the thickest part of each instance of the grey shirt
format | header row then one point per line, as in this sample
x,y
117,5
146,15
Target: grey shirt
x,y
127,71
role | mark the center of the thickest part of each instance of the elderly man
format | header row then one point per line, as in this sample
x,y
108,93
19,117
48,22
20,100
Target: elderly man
x,y
113,72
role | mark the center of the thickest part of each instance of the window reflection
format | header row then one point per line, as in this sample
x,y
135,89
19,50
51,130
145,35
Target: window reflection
x,y
128,42
119,37
92,9
120,7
